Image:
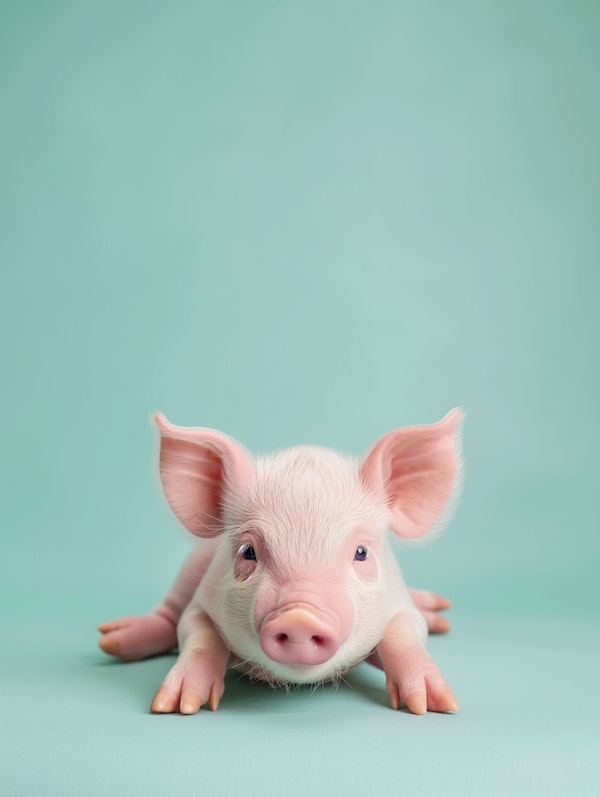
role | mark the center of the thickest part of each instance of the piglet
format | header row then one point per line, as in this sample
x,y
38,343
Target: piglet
x,y
293,580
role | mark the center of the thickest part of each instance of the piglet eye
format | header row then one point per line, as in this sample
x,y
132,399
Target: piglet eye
x,y
361,554
249,553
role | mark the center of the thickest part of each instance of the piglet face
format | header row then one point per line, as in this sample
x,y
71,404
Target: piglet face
x,y
304,596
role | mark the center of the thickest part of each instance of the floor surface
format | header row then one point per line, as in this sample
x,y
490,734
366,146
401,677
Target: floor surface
x,y
75,722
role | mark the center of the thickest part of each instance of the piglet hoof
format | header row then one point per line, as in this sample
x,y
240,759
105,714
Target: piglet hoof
x,y
430,605
134,638
414,680
194,680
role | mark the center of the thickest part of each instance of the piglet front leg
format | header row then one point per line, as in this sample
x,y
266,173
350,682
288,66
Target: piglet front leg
x,y
412,678
197,676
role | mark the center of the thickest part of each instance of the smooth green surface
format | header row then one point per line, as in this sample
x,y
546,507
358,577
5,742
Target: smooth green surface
x,y
300,222
528,723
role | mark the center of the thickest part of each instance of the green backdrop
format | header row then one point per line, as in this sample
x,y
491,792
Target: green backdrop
x,y
303,222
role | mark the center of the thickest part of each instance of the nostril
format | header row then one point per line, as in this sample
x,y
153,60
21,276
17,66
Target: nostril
x,y
299,638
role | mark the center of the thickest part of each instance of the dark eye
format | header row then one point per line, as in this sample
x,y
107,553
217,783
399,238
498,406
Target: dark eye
x,y
249,553
361,554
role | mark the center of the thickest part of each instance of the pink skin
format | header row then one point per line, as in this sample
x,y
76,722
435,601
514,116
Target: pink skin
x,y
410,472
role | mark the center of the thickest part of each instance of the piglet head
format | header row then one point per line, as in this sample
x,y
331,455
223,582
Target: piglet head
x,y
300,586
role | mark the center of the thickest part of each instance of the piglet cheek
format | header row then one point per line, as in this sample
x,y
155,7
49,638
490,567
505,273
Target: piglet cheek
x,y
243,568
367,571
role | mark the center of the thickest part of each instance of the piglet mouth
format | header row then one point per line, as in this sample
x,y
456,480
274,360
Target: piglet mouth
x,y
299,635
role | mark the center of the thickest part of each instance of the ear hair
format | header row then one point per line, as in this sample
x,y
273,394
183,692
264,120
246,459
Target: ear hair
x,y
416,470
197,467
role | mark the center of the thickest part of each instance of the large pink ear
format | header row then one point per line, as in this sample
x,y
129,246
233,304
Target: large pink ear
x,y
416,471
197,467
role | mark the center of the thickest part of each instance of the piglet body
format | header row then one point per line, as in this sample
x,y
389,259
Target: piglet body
x,y
293,580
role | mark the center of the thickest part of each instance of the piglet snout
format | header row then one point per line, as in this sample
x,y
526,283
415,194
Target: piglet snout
x,y
298,637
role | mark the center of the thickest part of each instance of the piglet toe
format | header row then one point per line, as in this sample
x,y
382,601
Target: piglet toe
x,y
436,623
165,702
216,693
394,694
440,602
191,700
424,599
134,638
416,702
110,644
440,697
119,643
111,625
195,679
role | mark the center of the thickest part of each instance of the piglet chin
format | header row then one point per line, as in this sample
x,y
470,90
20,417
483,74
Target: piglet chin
x,y
281,676
261,668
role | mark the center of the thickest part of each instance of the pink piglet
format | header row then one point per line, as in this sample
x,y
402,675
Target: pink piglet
x,y
293,580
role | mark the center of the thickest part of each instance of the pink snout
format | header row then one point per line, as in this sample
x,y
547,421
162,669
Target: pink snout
x,y
297,636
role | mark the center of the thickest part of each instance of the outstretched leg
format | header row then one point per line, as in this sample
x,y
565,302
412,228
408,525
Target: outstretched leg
x,y
197,677
134,638
430,605
412,678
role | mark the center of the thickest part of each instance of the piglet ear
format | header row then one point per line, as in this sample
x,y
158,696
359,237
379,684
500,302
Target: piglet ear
x,y
416,470
198,467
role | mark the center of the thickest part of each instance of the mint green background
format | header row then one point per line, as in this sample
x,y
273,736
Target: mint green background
x,y
300,222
